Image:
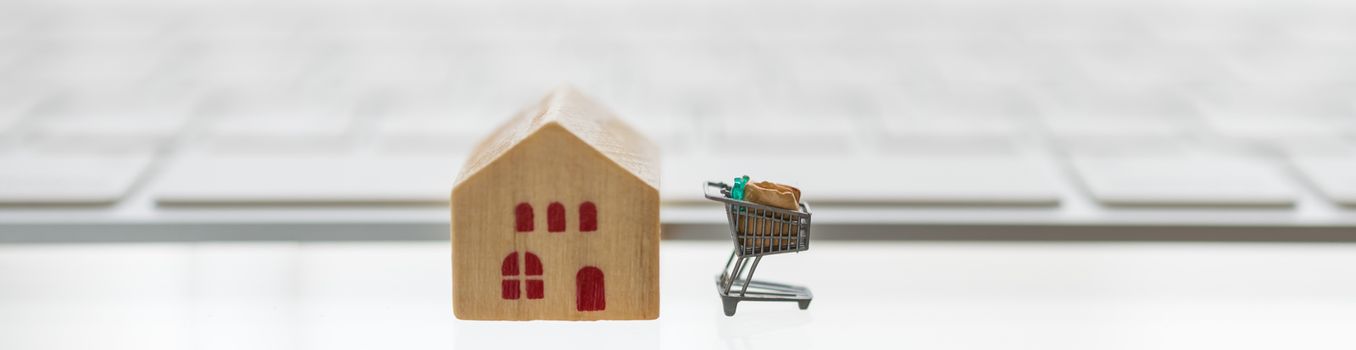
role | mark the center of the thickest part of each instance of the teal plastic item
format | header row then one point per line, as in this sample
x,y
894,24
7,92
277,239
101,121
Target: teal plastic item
x,y
737,192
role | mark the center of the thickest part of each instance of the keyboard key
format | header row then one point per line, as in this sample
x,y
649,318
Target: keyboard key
x,y
1116,145
934,143
15,105
783,136
286,125
92,66
1317,145
1295,65
942,125
276,137
250,64
907,180
1277,115
932,136
1146,65
68,179
111,125
1095,120
433,136
1276,129
427,143
1097,112
307,180
439,123
401,67
108,122
789,120
1001,66
1334,176
1183,181
929,122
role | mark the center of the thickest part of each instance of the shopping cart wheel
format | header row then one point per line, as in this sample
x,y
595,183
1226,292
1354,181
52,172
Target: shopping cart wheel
x,y
730,304
804,304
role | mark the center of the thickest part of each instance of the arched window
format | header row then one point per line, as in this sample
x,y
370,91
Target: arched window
x,y
555,217
588,217
511,286
522,216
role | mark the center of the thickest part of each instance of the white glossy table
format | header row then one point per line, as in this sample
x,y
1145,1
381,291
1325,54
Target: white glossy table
x,y
900,295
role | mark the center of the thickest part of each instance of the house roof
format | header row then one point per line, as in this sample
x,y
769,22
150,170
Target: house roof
x,y
586,119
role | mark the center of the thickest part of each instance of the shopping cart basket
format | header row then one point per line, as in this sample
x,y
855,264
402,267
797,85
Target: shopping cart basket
x,y
759,230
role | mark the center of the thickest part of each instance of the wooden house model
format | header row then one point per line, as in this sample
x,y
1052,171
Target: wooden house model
x,y
556,217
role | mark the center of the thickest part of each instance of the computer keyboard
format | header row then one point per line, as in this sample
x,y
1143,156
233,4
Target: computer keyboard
x,y
892,113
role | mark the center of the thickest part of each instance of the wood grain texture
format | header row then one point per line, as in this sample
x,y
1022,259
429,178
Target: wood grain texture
x,y
566,150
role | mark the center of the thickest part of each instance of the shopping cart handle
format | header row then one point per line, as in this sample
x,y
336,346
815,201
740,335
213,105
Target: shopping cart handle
x,y
723,188
720,187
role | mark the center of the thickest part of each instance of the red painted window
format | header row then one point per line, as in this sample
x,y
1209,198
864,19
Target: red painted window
x,y
533,265
511,287
510,266
590,295
555,217
535,287
523,217
588,217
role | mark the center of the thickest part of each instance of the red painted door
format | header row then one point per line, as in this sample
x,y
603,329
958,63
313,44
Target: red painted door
x,y
589,292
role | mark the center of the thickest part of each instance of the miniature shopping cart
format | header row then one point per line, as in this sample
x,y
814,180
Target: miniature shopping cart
x,y
759,230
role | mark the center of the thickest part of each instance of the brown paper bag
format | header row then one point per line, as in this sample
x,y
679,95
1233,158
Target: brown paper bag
x,y
770,232
773,194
